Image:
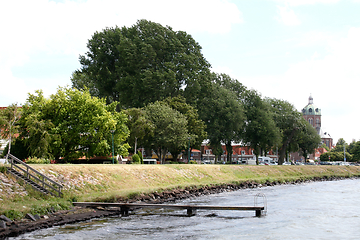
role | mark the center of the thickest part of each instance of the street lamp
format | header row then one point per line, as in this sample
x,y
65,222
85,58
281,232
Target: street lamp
x,y
112,139
189,151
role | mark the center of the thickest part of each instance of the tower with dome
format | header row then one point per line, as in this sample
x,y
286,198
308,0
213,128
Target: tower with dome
x,y
312,114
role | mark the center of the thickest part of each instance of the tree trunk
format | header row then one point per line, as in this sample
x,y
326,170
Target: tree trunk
x,y
229,152
284,146
9,144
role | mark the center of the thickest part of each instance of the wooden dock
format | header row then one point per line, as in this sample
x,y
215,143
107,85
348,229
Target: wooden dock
x,y
191,209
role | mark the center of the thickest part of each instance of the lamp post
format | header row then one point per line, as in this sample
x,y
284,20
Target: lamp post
x,y
112,139
189,151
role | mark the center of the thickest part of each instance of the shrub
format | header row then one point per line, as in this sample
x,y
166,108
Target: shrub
x,y
193,162
141,157
35,160
136,159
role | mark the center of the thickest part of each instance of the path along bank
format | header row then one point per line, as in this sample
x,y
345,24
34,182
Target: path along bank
x,y
151,184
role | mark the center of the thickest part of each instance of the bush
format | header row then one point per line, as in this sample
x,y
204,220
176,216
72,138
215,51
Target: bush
x,y
35,160
141,157
136,159
193,162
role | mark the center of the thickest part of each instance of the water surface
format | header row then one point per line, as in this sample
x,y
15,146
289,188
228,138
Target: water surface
x,y
319,210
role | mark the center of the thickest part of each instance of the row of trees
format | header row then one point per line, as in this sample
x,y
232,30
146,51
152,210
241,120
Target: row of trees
x,y
351,151
150,64
153,85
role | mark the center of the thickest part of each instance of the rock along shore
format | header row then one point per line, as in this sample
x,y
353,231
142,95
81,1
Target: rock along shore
x,y
10,228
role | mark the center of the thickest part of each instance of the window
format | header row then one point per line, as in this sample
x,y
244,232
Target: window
x,y
242,152
208,151
310,110
311,121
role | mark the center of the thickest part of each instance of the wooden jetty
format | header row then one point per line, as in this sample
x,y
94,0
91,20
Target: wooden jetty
x,y
191,209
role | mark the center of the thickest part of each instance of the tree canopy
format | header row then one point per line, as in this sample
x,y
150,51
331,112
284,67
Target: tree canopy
x,y
149,66
308,139
195,126
223,115
261,132
170,129
140,64
289,121
141,128
71,124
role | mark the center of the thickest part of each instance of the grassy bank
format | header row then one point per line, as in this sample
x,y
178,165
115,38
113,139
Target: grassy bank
x,y
110,182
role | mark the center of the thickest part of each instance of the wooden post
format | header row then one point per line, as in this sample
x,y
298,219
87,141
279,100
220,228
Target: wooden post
x,y
124,211
258,213
191,211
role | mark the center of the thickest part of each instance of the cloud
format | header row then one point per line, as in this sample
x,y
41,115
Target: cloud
x,y
332,79
13,90
43,28
305,2
316,38
287,16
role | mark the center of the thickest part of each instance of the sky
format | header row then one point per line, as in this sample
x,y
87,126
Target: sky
x,y
284,49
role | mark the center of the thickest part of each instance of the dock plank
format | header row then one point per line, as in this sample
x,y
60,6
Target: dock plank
x,y
127,206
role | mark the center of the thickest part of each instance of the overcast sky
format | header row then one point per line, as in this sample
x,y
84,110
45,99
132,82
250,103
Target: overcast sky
x,y
285,49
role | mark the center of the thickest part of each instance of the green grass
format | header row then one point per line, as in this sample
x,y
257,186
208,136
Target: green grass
x,y
104,182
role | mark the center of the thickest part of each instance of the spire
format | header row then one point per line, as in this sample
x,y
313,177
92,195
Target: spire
x,y
311,99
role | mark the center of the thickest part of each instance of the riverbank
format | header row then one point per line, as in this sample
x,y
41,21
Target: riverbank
x,y
151,184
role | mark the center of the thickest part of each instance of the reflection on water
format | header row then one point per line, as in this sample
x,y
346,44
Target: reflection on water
x,y
321,210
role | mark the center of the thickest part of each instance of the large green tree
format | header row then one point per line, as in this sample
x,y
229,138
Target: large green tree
x,y
289,121
141,129
308,139
72,124
195,126
261,132
223,115
170,129
140,64
339,147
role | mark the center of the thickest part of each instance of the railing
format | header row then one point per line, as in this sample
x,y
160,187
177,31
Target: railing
x,y
35,176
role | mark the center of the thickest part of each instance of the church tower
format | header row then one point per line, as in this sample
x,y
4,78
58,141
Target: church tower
x,y
312,114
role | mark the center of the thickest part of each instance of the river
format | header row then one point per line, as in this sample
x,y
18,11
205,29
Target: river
x,y
316,210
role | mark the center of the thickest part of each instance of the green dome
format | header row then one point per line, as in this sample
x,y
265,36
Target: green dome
x,y
311,109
